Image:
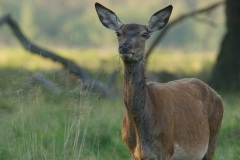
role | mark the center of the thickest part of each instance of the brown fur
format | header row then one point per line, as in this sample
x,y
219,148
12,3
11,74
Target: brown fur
x,y
185,112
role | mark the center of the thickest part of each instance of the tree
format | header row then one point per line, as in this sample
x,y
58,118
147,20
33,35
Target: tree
x,y
226,72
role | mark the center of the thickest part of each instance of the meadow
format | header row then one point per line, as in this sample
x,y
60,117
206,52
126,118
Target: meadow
x,y
38,124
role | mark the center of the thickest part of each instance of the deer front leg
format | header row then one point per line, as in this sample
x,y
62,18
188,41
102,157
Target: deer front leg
x,y
128,134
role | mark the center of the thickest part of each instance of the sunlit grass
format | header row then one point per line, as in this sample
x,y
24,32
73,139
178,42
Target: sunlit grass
x,y
181,63
108,60
22,59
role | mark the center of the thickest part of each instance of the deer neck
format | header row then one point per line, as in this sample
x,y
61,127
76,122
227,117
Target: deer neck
x,y
135,92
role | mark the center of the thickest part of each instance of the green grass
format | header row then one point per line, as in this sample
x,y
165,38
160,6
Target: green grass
x,y
229,140
75,124
72,125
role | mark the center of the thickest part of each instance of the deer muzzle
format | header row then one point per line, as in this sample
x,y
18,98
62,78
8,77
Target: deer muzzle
x,y
125,48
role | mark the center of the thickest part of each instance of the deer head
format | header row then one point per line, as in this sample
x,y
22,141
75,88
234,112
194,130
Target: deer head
x,y
132,37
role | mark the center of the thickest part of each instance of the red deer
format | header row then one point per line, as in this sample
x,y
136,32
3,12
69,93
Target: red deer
x,y
178,120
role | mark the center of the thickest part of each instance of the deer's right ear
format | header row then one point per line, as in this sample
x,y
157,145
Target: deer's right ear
x,y
107,17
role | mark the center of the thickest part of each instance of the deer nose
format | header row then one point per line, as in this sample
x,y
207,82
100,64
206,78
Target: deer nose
x,y
124,48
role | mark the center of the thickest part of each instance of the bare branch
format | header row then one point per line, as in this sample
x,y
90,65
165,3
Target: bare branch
x,y
74,68
68,64
206,21
3,19
177,20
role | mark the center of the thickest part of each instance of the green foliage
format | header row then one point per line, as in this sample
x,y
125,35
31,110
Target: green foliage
x,y
75,23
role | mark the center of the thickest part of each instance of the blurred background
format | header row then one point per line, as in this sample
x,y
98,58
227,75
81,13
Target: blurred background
x,y
75,23
61,76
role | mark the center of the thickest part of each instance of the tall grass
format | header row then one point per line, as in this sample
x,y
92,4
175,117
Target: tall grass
x,y
45,126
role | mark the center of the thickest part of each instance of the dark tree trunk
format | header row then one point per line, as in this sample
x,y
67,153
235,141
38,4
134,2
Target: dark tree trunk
x,y
226,72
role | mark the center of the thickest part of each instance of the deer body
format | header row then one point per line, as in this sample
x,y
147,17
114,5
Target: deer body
x,y
179,120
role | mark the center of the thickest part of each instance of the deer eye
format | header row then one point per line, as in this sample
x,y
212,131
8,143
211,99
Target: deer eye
x,y
118,34
145,35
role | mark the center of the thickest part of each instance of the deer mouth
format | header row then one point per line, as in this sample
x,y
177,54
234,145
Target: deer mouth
x,y
126,55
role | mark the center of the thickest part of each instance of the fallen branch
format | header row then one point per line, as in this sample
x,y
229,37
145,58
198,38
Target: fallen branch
x,y
39,79
68,64
176,21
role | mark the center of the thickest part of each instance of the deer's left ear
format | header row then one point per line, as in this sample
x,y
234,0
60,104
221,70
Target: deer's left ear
x,y
107,17
159,19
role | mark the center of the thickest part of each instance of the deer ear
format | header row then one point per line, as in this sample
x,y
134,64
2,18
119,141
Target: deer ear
x,y
159,19
107,17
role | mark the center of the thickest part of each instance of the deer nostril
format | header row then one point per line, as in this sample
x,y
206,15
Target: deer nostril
x,y
125,47
129,46
123,50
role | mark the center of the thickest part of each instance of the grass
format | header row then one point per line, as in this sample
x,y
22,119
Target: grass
x,y
229,140
75,124
72,125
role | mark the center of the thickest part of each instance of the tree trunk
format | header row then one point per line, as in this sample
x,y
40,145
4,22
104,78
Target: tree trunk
x,y
226,72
